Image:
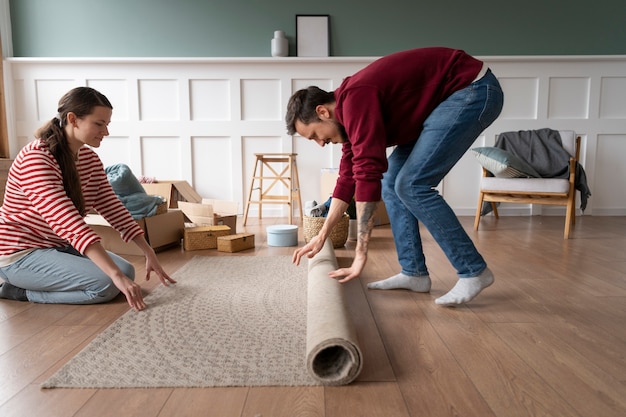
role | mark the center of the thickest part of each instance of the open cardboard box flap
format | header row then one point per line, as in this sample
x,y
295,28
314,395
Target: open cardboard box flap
x,y
222,207
211,213
173,192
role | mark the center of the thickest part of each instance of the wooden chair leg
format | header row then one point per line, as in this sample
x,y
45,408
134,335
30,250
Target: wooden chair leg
x,y
494,207
570,218
568,226
478,210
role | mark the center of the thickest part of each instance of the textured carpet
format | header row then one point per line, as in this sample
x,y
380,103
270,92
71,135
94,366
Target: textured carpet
x,y
229,321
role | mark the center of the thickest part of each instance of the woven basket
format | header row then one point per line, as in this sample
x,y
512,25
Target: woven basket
x,y
338,236
203,237
235,243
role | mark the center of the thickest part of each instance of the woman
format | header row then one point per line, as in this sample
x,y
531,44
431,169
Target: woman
x,y
48,254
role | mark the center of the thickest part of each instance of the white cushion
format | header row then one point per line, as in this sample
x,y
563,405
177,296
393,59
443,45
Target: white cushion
x,y
537,185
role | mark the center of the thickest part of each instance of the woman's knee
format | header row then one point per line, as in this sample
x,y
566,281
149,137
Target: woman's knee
x,y
128,270
126,267
106,294
98,291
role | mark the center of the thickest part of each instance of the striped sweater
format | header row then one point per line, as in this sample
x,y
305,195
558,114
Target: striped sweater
x,y
37,213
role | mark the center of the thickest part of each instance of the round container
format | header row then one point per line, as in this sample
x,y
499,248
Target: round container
x,y
282,235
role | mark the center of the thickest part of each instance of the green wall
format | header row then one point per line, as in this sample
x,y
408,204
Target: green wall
x,y
243,28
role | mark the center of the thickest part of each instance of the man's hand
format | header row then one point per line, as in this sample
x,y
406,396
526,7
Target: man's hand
x,y
346,274
310,249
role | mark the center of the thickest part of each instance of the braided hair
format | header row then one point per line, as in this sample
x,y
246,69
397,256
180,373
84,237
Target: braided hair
x,y
80,101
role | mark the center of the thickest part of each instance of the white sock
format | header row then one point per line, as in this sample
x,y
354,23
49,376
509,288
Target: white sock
x,y
466,289
403,282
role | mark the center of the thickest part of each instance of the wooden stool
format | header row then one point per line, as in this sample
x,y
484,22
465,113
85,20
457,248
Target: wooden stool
x,y
288,177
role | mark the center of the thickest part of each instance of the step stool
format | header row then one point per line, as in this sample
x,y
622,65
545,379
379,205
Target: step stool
x,y
268,178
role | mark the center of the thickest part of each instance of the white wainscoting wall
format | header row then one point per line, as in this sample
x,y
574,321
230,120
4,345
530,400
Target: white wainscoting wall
x,y
202,120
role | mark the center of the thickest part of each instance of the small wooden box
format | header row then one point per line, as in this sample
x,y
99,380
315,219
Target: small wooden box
x,y
235,243
203,237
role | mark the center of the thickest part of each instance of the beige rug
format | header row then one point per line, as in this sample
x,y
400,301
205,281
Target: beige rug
x,y
332,349
230,321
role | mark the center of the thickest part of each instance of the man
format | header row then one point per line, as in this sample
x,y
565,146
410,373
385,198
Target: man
x,y
431,104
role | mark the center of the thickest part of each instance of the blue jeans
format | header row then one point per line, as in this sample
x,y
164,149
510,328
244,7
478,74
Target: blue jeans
x,y
416,168
65,276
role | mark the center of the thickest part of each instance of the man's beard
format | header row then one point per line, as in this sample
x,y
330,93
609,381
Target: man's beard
x,y
342,131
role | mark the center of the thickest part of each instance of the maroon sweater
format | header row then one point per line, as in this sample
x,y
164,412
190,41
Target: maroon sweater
x,y
385,104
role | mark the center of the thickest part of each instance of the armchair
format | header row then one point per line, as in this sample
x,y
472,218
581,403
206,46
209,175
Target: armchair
x,y
530,189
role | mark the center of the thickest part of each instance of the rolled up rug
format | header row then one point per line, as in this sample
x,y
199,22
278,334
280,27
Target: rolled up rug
x,y
332,351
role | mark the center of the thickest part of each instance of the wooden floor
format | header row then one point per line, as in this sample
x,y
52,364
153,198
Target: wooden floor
x,y
547,339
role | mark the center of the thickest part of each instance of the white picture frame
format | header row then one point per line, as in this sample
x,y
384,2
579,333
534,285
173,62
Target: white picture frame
x,y
312,35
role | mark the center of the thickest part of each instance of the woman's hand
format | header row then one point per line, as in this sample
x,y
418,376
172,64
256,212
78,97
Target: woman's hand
x,y
152,262
131,290
153,265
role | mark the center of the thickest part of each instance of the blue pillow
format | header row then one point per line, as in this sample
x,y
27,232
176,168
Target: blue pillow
x,y
503,164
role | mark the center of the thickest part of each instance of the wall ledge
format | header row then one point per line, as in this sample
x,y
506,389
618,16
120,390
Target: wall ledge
x,y
292,60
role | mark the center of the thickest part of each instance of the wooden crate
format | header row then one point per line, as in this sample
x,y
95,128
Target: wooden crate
x,y
235,243
203,237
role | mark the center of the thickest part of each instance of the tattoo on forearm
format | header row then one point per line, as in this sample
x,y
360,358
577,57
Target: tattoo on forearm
x,y
365,215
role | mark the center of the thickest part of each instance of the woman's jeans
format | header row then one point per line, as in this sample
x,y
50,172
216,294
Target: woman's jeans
x,y
64,275
415,169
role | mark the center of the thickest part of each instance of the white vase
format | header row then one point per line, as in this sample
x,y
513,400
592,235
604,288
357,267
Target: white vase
x,y
280,45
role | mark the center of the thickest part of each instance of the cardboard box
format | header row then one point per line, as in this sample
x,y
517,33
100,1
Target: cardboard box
x,y
161,231
327,186
165,230
173,192
203,237
328,179
230,221
235,243
223,207
211,213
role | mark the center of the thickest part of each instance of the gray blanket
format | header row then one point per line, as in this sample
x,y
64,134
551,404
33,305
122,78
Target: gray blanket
x,y
543,150
131,193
